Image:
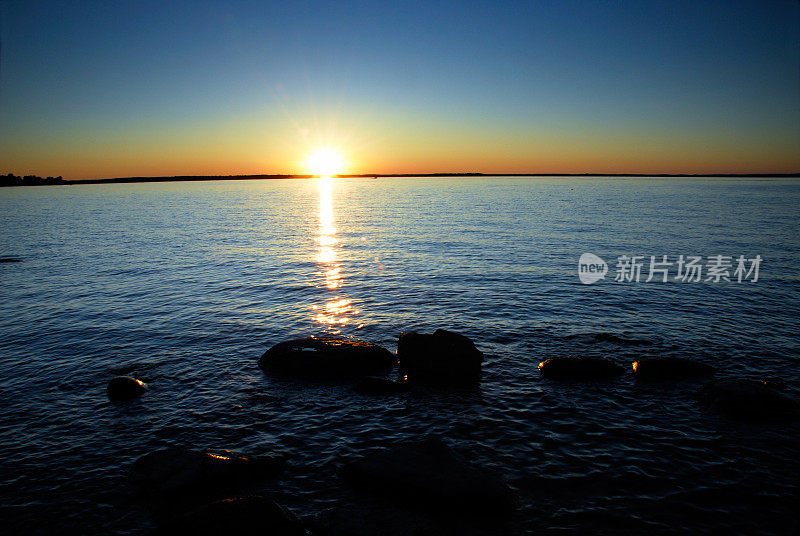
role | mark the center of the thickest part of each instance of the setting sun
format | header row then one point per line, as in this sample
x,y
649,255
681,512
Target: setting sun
x,y
324,161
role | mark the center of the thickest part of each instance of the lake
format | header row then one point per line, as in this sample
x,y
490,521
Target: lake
x,y
185,285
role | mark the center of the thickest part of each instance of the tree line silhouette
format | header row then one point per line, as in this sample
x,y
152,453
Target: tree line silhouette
x,y
28,180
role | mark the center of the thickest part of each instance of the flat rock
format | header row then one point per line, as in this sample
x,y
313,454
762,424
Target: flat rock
x,y
179,470
750,400
236,516
670,369
442,356
427,473
579,368
374,385
326,358
123,388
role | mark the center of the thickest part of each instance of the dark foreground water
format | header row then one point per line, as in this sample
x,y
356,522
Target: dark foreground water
x,y
186,284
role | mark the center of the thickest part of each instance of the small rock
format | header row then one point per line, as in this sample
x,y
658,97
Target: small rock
x,y
443,356
123,388
374,385
428,473
579,368
749,400
670,368
178,470
235,516
326,358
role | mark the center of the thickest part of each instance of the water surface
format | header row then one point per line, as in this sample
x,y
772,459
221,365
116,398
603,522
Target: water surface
x,y
186,284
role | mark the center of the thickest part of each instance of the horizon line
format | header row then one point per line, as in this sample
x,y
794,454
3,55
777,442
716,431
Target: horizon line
x,y
179,178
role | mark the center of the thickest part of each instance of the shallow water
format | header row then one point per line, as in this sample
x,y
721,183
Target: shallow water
x,y
184,285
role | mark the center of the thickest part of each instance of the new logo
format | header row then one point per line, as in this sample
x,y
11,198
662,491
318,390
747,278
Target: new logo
x,y
591,268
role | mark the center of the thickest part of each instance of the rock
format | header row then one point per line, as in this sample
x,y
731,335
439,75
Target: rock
x,y
235,516
123,388
374,385
749,400
326,358
428,473
9,259
579,368
178,470
670,368
443,356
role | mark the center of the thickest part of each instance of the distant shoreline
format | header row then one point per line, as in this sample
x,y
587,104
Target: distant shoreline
x,y
188,178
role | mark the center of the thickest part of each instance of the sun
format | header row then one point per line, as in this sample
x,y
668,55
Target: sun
x,y
324,162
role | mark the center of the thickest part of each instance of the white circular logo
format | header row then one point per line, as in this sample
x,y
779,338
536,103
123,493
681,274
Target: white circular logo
x,y
591,268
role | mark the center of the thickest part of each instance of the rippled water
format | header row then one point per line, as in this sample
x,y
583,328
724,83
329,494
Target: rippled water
x,y
185,285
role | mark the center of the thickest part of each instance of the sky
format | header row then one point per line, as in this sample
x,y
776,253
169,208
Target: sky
x,y
114,89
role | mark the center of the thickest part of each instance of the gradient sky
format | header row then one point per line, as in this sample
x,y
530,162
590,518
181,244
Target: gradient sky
x,y
107,89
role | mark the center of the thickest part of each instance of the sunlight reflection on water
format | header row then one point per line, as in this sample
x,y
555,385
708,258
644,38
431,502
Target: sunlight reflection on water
x,y
337,310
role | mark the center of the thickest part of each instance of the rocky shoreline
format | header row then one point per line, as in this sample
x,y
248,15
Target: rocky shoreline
x,y
426,482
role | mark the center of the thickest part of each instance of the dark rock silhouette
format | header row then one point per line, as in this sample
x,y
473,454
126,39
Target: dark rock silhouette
x,y
373,385
123,388
749,400
427,473
579,368
670,369
10,259
444,356
326,358
235,516
176,471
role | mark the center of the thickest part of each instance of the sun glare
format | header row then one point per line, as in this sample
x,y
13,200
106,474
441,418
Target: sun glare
x,y
325,162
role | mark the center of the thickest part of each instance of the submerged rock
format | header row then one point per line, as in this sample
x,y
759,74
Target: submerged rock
x,y
750,400
178,470
443,356
373,385
428,473
235,516
670,368
579,368
326,357
122,388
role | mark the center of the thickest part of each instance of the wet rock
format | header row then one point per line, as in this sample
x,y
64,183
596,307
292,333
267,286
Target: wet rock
x,y
443,356
670,369
428,473
235,516
749,400
374,385
178,470
579,368
326,358
122,388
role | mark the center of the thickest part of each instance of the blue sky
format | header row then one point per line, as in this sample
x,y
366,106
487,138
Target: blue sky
x,y
92,89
